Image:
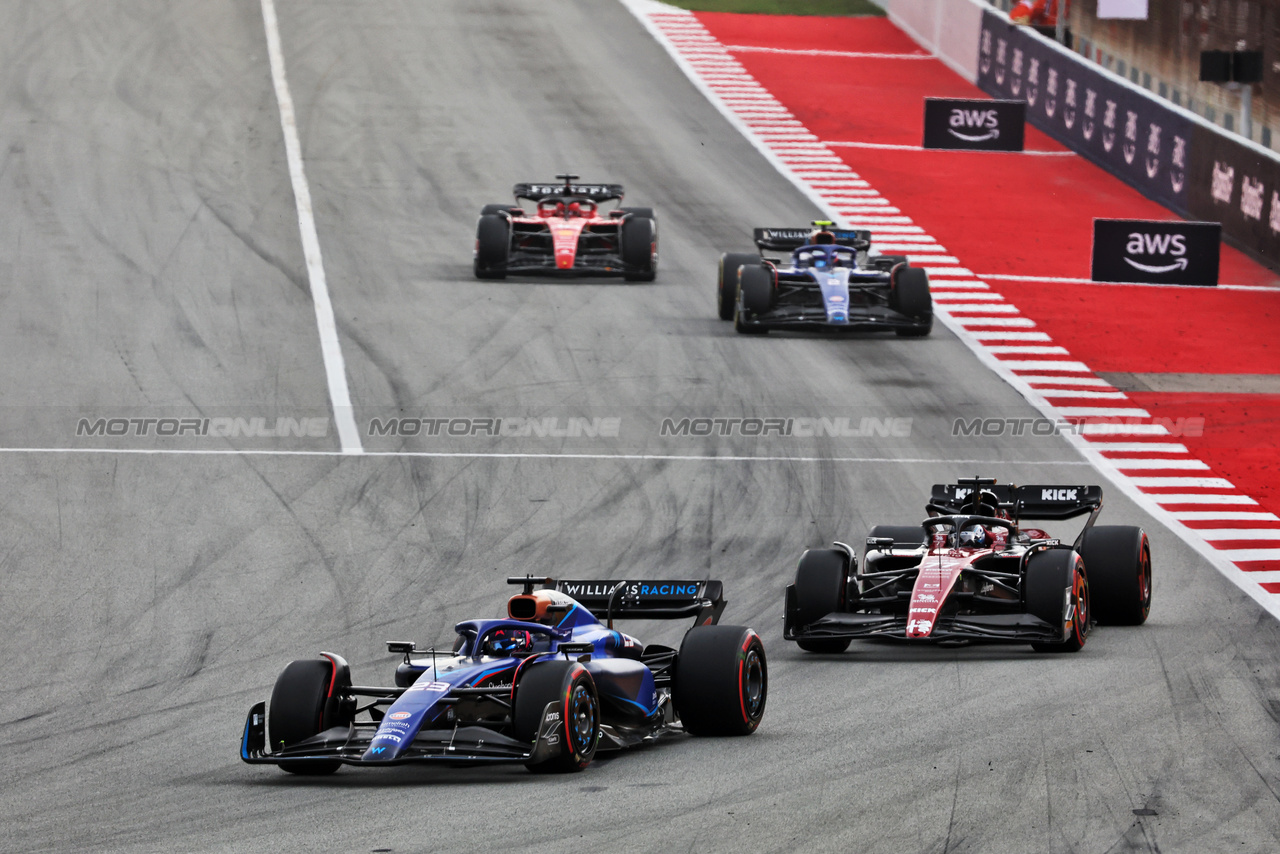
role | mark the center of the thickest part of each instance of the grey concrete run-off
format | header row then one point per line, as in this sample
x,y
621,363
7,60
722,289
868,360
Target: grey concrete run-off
x,y
151,264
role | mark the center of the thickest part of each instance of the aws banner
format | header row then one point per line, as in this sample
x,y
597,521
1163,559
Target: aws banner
x,y
1120,128
974,125
1157,251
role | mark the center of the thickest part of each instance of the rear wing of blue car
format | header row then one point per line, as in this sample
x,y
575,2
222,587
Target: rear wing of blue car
x,y
1047,501
642,599
786,239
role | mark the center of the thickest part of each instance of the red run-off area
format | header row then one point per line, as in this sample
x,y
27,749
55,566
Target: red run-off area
x,y
858,85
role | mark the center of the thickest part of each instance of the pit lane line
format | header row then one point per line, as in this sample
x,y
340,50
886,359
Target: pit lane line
x,y
330,348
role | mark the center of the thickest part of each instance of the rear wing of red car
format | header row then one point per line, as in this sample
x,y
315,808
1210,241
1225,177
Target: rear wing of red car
x,y
1047,501
549,190
786,239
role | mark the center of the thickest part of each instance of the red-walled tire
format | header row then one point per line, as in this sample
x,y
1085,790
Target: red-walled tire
x,y
721,681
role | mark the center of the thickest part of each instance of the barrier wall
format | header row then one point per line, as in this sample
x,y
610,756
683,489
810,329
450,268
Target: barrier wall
x,y
1169,154
947,28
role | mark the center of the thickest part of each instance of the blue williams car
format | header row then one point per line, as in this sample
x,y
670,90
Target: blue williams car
x,y
829,283
547,686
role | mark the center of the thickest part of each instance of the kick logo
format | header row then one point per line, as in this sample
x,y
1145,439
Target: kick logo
x,y
1109,127
1015,82
1033,82
1157,244
1251,198
1069,111
1090,113
1051,94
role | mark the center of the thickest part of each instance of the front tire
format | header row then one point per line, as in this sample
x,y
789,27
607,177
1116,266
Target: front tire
x,y
721,681
1049,575
640,248
1118,559
493,246
754,297
727,280
297,711
822,585
570,685
910,296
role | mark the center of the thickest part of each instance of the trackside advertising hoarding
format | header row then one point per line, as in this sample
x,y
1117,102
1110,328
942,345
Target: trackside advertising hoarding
x,y
1127,133
1187,164
1239,186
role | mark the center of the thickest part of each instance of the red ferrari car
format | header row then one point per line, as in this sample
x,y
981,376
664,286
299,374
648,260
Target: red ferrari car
x,y
567,234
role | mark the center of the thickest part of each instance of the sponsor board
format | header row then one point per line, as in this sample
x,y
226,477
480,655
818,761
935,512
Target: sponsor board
x,y
974,125
1159,252
1238,186
1130,134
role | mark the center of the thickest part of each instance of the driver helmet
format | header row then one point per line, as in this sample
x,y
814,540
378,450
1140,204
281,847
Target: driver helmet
x,y
822,237
972,537
550,208
509,640
575,209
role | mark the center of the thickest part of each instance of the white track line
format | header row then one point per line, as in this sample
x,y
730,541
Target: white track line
x,y
515,455
1067,280
844,54
330,348
671,27
886,146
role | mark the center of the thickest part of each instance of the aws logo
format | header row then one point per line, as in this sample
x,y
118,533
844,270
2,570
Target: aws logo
x,y
974,125
1140,243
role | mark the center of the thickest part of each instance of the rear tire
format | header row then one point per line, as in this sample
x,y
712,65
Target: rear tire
x,y
569,684
727,280
297,711
646,212
640,248
822,585
910,296
493,246
1118,559
495,209
1049,574
721,681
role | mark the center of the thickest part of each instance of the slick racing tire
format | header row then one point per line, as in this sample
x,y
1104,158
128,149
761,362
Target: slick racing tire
x,y
640,248
1118,560
493,245
297,711
910,296
727,280
822,584
721,681
1049,575
647,212
570,686
755,296
495,209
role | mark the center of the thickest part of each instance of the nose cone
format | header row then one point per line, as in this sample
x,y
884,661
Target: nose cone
x,y
564,259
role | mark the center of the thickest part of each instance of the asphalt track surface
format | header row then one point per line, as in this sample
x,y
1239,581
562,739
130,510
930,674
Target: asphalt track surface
x,y
152,267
